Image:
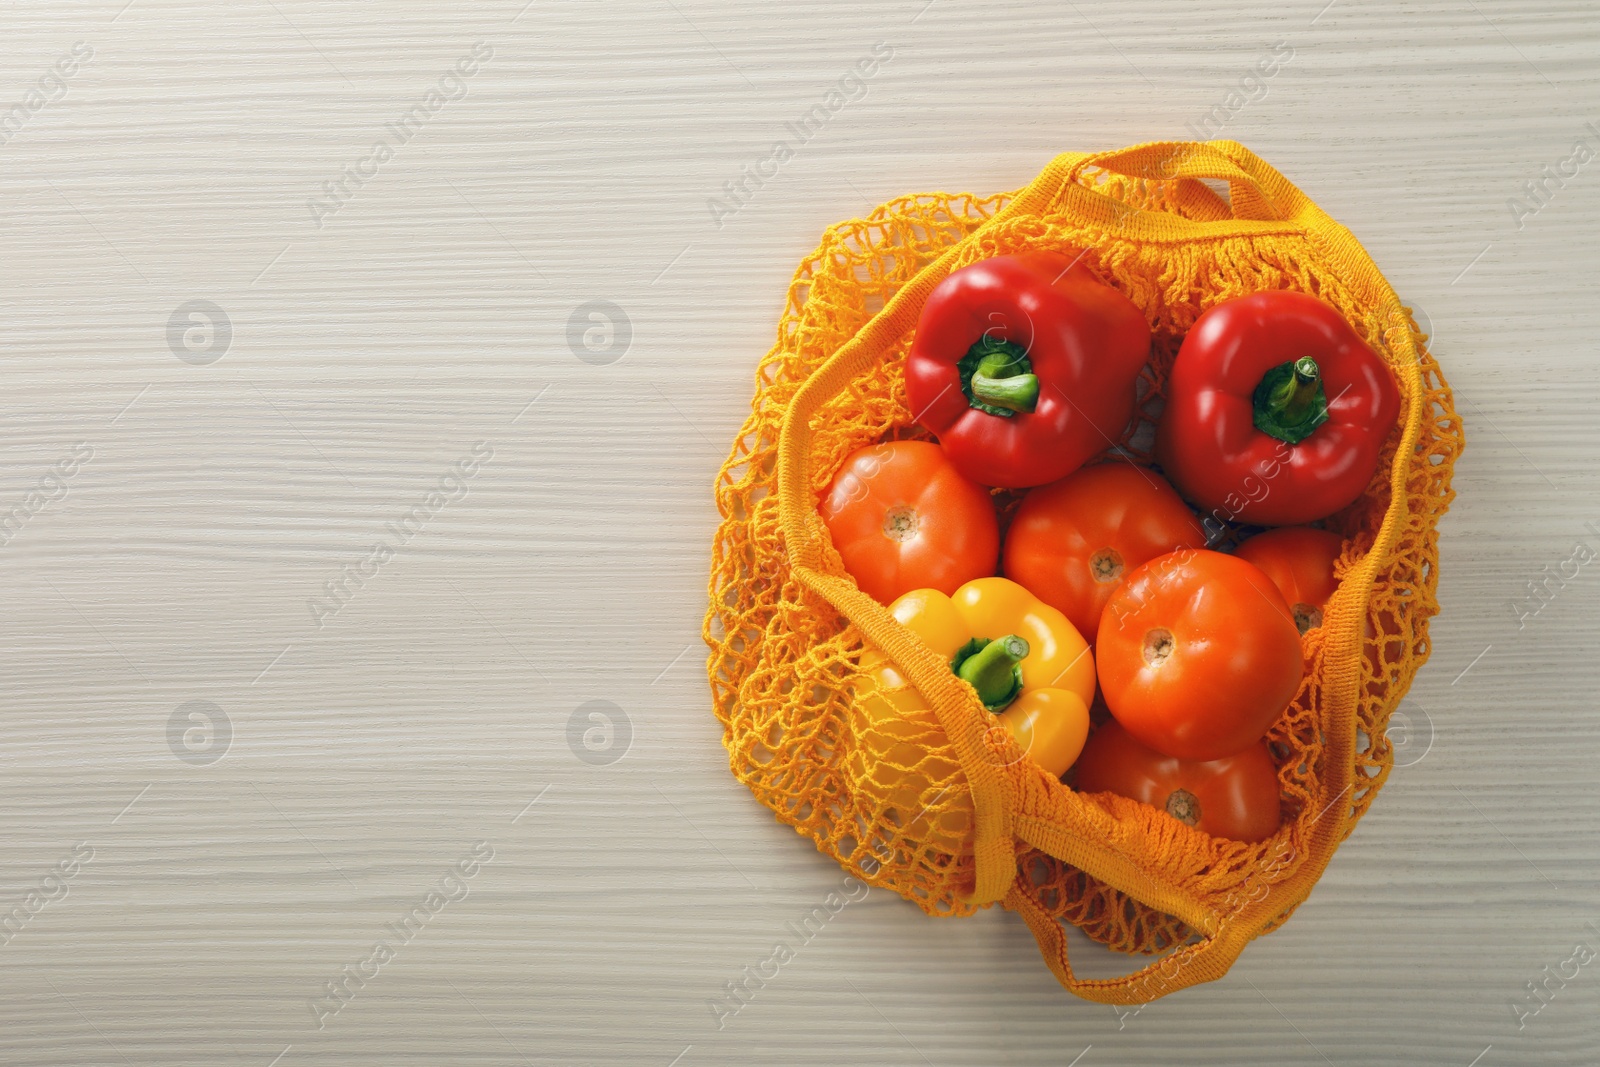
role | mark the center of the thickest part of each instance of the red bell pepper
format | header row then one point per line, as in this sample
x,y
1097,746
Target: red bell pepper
x,y
1024,366
1276,411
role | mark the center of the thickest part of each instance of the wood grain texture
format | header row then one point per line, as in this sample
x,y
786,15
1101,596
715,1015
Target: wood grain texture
x,y
430,312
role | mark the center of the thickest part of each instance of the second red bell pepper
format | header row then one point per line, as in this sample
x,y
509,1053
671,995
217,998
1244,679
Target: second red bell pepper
x,y
1025,366
1276,411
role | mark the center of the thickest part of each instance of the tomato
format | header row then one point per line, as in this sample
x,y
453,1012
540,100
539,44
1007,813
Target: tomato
x,y
1236,797
1072,542
903,518
1299,560
1198,654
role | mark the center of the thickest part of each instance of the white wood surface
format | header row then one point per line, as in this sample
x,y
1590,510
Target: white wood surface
x,y
369,355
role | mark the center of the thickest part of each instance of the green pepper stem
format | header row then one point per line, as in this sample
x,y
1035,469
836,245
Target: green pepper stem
x,y
990,670
1289,401
998,378
1294,396
1018,393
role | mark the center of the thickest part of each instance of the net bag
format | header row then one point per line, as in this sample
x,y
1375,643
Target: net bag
x,y
933,805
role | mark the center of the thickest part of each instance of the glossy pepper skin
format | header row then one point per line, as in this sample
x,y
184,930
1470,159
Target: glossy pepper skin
x,y
1040,674
1024,366
1276,411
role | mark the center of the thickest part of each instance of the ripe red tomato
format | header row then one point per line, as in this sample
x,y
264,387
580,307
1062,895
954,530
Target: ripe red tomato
x,y
1072,542
1236,797
1299,560
1198,654
903,518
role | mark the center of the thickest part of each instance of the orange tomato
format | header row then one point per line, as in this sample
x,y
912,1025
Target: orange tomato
x,y
1073,542
903,518
1198,654
1299,560
1236,797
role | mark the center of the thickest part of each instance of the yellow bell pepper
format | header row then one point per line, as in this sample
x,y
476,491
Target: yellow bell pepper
x,y
1027,662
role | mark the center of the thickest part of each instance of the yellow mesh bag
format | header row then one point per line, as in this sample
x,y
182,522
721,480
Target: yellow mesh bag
x,y
788,628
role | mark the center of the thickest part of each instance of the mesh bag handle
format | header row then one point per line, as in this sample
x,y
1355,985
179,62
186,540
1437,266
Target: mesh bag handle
x,y
1188,162
1262,201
